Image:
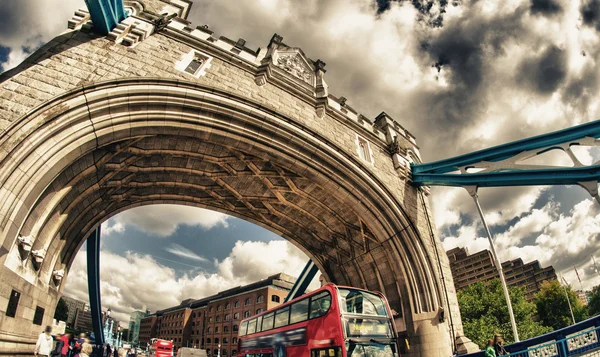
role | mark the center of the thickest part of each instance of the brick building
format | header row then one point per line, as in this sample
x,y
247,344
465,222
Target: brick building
x,y
212,321
469,269
147,329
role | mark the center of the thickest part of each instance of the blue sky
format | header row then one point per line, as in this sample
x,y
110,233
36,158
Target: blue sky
x,y
459,75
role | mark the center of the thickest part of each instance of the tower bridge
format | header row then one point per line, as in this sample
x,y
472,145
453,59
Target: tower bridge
x,y
151,109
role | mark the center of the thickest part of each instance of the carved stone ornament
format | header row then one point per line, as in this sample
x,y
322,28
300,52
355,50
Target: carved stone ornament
x,y
294,64
58,275
38,257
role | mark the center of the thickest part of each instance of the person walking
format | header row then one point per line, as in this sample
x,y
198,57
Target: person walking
x,y
57,352
66,340
86,348
489,350
43,346
499,345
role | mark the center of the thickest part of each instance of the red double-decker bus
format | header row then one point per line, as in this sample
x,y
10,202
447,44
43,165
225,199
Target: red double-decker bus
x,y
161,348
333,321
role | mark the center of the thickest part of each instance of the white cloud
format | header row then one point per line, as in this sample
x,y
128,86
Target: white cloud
x,y
183,252
163,220
135,281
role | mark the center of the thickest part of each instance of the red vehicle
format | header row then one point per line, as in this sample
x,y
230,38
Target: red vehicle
x,y
333,321
161,348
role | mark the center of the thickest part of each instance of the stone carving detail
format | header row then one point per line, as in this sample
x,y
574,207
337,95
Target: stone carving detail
x,y
547,349
582,339
293,64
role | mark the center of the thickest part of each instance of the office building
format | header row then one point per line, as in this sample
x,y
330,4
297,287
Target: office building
x,y
212,323
468,269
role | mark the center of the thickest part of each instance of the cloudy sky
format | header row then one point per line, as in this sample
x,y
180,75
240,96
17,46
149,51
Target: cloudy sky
x,y
461,75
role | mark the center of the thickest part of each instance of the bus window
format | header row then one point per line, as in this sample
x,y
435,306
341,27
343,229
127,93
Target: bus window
x,y
282,317
251,326
258,324
299,311
319,304
243,327
267,322
361,302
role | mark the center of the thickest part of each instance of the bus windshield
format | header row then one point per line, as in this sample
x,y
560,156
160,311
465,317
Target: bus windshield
x,y
369,350
359,302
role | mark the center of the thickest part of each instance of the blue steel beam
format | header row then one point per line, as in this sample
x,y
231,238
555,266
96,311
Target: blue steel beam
x,y
93,272
441,173
307,275
106,14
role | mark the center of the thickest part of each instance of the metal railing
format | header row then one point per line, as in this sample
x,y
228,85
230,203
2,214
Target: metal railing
x,y
581,339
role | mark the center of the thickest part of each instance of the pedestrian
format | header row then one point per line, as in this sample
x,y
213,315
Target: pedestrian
x,y
86,348
58,347
78,343
43,346
489,350
499,345
66,339
108,350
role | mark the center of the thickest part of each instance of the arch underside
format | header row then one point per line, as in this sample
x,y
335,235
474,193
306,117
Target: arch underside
x,y
104,152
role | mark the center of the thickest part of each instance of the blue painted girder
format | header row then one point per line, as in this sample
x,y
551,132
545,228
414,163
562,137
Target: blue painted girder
x,y
438,173
93,273
299,287
105,14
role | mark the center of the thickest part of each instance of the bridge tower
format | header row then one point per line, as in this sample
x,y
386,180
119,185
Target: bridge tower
x,y
156,110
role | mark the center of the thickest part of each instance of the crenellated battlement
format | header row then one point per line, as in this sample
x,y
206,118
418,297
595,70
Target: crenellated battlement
x,y
279,64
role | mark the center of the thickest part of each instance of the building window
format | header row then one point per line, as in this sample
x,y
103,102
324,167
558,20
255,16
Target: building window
x,y
233,353
247,302
216,330
246,314
195,63
218,307
216,340
224,340
208,330
235,328
225,328
218,319
13,303
258,311
234,341
236,316
216,351
210,309
260,299
275,298
208,340
236,304
210,319
227,317
39,315
364,149
224,352
228,306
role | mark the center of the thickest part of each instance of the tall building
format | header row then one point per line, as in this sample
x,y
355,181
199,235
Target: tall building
x,y
583,296
469,269
212,323
135,319
72,305
83,319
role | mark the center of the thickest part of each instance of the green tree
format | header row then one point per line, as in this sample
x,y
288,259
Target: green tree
x,y
484,313
594,304
62,310
553,308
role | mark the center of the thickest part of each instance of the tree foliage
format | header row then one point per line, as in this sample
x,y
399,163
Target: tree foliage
x,y
553,308
62,310
594,301
484,313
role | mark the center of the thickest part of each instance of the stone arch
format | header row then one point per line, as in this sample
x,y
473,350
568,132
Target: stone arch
x,y
61,161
